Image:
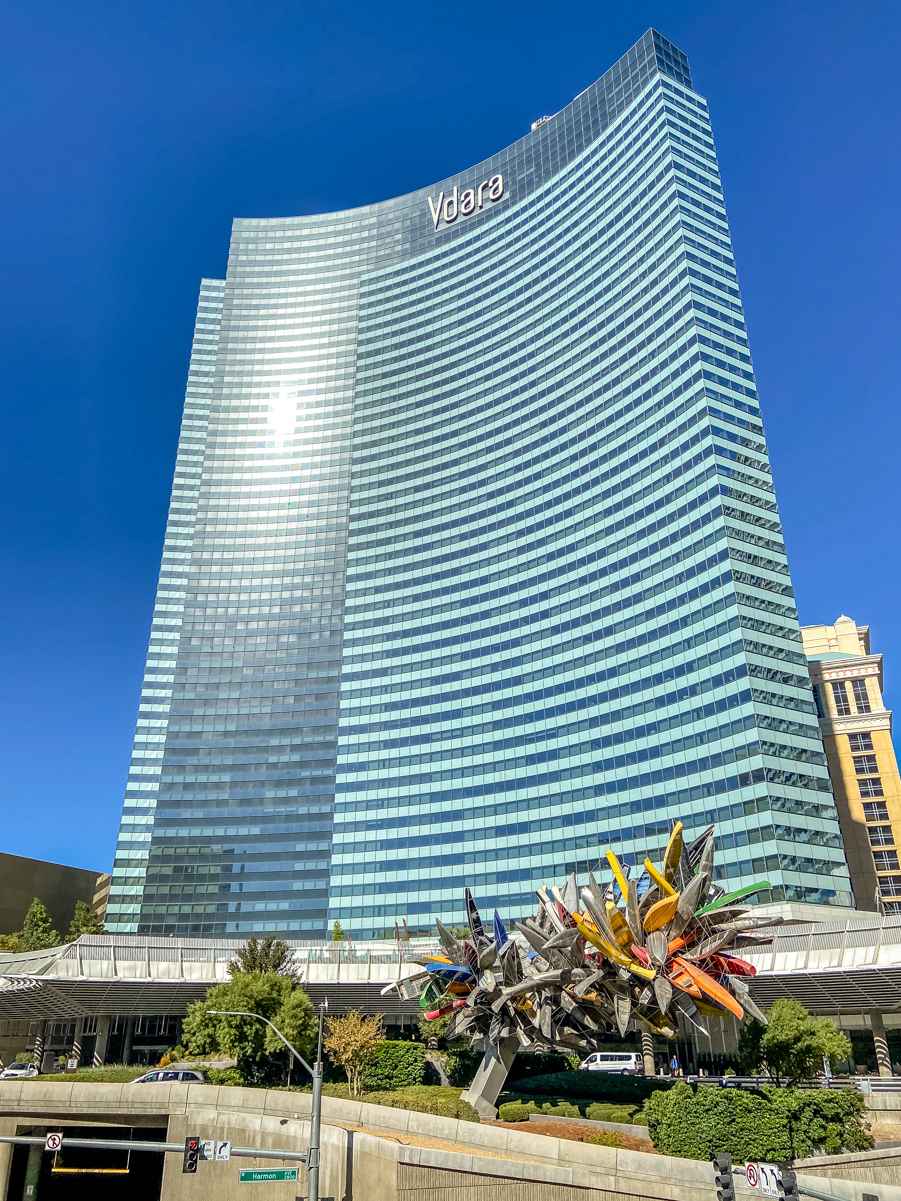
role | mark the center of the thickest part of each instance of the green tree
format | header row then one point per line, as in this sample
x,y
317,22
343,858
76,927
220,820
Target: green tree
x,y
84,921
261,956
261,1056
750,1052
10,942
38,933
794,1044
351,1042
338,934
436,1029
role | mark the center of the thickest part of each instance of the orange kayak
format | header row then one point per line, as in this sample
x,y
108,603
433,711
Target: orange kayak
x,y
709,987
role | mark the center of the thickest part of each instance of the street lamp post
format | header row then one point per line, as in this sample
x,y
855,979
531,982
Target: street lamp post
x,y
315,1072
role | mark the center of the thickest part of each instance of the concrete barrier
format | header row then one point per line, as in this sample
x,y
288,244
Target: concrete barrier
x,y
374,1153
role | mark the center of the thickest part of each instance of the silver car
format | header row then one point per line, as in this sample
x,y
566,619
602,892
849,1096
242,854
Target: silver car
x,y
170,1076
19,1071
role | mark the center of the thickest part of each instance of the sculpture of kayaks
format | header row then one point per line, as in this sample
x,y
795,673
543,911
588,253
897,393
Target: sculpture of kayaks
x,y
589,931
709,987
662,912
659,879
672,856
730,898
618,874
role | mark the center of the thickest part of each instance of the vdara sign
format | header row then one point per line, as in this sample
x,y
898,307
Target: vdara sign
x,y
446,209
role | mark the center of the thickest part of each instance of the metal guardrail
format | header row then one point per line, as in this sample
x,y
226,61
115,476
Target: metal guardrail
x,y
863,1084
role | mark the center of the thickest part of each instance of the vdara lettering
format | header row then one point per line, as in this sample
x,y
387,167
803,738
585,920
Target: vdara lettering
x,y
447,209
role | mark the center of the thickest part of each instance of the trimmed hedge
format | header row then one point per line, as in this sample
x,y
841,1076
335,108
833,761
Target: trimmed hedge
x,y
604,1138
772,1124
444,1102
604,1111
519,1111
395,1063
594,1086
461,1065
538,1063
224,1076
515,1111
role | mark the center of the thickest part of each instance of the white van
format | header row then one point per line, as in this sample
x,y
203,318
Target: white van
x,y
626,1063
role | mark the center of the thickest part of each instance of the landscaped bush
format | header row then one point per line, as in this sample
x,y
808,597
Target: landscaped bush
x,y
516,1111
562,1109
605,1111
537,1063
445,1102
230,1076
461,1065
604,1138
423,1098
111,1073
772,1124
394,1064
593,1086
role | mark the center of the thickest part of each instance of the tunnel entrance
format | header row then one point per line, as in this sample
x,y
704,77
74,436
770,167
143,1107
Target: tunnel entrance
x,y
75,1173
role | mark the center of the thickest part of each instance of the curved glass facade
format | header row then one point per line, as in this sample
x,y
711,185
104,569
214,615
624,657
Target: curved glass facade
x,y
476,566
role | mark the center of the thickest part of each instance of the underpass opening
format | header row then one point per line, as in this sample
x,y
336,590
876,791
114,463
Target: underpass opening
x,y
75,1173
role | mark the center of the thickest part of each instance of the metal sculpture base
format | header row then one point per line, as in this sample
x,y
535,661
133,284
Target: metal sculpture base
x,y
490,1078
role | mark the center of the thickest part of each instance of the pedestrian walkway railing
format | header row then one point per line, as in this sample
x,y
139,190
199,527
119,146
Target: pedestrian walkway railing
x,y
864,1084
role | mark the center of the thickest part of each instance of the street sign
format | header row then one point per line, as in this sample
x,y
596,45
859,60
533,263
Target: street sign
x,y
212,1149
764,1178
256,1175
53,1142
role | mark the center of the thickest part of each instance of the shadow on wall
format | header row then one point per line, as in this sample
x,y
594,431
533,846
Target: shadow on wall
x,y
349,1167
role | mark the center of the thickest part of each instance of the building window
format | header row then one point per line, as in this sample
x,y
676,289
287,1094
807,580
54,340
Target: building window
x,y
865,765
886,861
840,696
892,906
860,742
861,696
890,886
870,786
881,836
875,811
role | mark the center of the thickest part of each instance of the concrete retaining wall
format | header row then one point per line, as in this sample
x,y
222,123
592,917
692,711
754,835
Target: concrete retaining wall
x,y
373,1153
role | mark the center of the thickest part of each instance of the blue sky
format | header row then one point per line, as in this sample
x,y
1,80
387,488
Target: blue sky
x,y
134,133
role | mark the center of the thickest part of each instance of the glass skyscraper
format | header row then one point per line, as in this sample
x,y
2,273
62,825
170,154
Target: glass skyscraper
x,y
473,564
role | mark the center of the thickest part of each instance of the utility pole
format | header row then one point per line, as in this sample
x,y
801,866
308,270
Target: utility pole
x,y
315,1072
316,1113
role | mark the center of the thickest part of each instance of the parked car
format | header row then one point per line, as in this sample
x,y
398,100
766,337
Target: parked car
x,y
19,1071
171,1076
625,1063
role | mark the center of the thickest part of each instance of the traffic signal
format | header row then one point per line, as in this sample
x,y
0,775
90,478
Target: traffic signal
x,y
192,1154
788,1184
722,1178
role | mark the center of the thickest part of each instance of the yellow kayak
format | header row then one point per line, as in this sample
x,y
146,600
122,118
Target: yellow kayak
x,y
618,925
589,931
673,853
661,913
659,879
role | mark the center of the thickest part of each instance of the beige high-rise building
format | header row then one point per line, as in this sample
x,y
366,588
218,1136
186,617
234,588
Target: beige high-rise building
x,y
857,736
